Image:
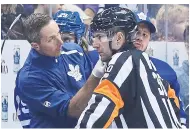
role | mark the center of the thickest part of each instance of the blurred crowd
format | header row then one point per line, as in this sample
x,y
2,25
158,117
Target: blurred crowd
x,y
168,26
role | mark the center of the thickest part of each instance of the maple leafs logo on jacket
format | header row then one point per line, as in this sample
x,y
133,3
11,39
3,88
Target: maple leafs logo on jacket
x,y
74,72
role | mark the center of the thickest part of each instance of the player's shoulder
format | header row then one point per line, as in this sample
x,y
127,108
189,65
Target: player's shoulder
x,y
68,46
123,56
71,49
159,62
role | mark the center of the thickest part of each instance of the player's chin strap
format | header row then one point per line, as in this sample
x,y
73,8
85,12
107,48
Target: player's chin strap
x,y
130,39
113,50
128,44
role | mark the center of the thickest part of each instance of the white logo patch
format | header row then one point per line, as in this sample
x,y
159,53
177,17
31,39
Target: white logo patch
x,y
74,72
142,16
47,104
63,15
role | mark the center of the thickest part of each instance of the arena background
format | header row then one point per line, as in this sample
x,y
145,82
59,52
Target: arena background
x,y
172,52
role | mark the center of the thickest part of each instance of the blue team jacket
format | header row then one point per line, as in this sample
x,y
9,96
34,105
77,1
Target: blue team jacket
x,y
45,85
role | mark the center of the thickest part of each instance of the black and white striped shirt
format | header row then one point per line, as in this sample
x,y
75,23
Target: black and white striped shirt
x,y
130,95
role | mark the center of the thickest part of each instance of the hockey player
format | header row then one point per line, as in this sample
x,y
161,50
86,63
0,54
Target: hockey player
x,y
74,30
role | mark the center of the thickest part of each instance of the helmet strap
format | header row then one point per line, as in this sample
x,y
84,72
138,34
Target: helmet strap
x,y
111,48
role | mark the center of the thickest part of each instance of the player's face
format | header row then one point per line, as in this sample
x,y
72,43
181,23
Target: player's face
x,y
179,26
142,37
68,37
51,42
101,43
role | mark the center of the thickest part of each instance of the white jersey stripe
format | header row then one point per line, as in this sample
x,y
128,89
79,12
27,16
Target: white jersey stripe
x,y
173,113
153,66
121,76
164,101
114,58
25,122
147,59
113,125
124,124
146,115
71,52
100,109
151,97
91,101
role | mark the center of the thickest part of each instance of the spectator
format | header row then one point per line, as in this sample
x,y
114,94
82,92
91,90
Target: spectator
x,y
41,8
153,9
45,8
28,9
89,9
8,15
178,16
183,77
74,8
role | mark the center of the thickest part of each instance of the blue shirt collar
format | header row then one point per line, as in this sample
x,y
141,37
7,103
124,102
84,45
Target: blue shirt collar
x,y
37,57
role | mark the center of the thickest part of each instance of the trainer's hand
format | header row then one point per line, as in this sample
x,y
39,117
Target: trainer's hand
x,y
99,68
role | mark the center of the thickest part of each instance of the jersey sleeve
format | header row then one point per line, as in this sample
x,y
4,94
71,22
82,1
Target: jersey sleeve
x,y
22,110
42,96
102,108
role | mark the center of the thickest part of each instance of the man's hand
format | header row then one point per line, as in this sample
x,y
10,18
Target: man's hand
x,y
80,100
99,69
